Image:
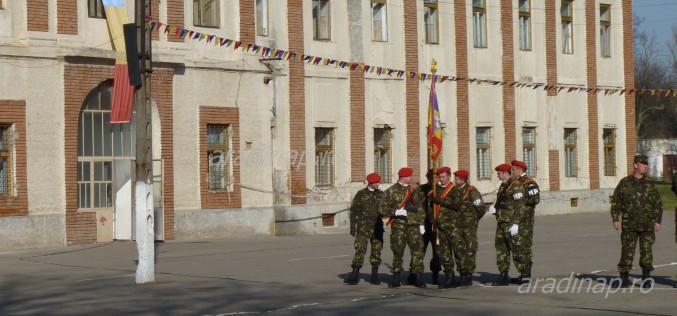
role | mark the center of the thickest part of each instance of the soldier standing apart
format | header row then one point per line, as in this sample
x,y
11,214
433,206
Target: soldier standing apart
x,y
674,189
508,209
636,208
447,221
430,236
400,203
526,227
366,226
471,207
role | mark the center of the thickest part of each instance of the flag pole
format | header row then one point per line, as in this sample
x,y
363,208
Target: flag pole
x,y
433,69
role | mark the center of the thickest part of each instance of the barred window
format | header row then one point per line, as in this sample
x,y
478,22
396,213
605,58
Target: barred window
x,y
262,22
431,19
479,16
218,153
609,138
567,14
379,16
6,160
94,9
383,153
570,153
324,157
529,150
483,140
525,24
321,19
206,13
605,29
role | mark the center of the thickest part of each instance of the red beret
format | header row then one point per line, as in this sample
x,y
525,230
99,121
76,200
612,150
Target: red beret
x,y
405,172
462,174
520,164
443,170
503,167
373,178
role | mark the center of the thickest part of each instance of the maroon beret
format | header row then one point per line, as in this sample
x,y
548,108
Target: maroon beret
x,y
462,174
405,172
520,164
503,167
443,170
373,178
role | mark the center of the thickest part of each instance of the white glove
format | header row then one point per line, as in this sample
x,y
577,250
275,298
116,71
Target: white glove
x,y
401,212
514,229
422,229
492,209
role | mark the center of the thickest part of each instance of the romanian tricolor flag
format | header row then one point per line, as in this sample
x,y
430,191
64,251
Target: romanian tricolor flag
x,y
434,128
123,91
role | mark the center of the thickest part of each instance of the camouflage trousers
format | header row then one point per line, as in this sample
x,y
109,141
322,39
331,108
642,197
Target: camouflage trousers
x,y
629,243
469,241
361,241
430,237
505,246
451,247
402,236
526,240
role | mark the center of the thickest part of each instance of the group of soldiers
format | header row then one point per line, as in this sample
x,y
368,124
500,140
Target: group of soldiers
x,y
445,214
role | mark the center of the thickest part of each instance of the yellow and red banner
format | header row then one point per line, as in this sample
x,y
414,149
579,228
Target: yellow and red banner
x,y
123,91
434,126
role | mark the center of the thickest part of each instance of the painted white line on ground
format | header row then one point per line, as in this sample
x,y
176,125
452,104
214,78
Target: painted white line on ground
x,y
602,234
110,277
665,265
315,258
597,271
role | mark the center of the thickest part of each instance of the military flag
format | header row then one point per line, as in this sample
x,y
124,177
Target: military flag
x,y
434,128
123,91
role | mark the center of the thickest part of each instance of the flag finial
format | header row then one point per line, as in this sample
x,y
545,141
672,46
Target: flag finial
x,y
433,67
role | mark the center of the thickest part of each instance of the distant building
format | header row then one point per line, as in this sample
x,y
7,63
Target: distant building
x,y
662,155
250,145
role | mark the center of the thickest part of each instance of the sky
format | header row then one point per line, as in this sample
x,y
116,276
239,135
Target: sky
x,y
659,17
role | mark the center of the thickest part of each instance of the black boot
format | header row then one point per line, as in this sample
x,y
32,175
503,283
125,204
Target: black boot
x,y
449,282
647,280
525,276
466,279
502,280
396,280
374,276
411,279
625,282
419,280
436,276
353,278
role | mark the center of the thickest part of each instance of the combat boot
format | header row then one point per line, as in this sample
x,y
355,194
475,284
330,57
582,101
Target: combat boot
x,y
436,276
647,280
525,276
625,281
411,279
354,277
450,281
396,280
374,276
502,280
419,281
466,279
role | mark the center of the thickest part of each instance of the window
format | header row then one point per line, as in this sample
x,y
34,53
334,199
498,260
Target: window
x,y
6,160
605,29
262,17
94,8
483,139
479,19
609,138
529,150
218,153
379,18
430,17
570,153
324,157
567,26
321,20
383,153
206,13
525,24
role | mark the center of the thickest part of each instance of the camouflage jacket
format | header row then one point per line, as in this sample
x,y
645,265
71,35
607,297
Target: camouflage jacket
x,y
393,198
470,205
364,212
448,215
636,204
510,202
533,192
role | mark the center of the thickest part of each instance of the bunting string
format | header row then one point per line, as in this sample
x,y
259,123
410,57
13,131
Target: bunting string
x,y
379,71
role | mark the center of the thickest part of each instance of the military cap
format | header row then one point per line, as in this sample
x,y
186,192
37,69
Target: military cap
x,y
443,170
373,178
462,174
520,164
641,159
503,167
405,172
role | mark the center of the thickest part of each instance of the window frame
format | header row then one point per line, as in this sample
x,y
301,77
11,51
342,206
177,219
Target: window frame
x,y
431,6
325,151
483,170
199,16
383,12
524,39
262,25
7,152
226,157
480,12
532,171
95,13
609,151
605,29
571,154
317,22
386,172
570,21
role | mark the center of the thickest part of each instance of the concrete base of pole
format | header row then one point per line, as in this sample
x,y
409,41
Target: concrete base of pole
x,y
145,237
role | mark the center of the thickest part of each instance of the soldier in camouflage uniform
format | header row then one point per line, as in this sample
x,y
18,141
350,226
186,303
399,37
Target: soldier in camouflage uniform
x,y
636,207
674,189
471,208
430,236
526,227
366,226
401,203
450,246
509,210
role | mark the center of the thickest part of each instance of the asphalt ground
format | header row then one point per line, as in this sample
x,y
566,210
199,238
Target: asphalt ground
x,y
575,256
